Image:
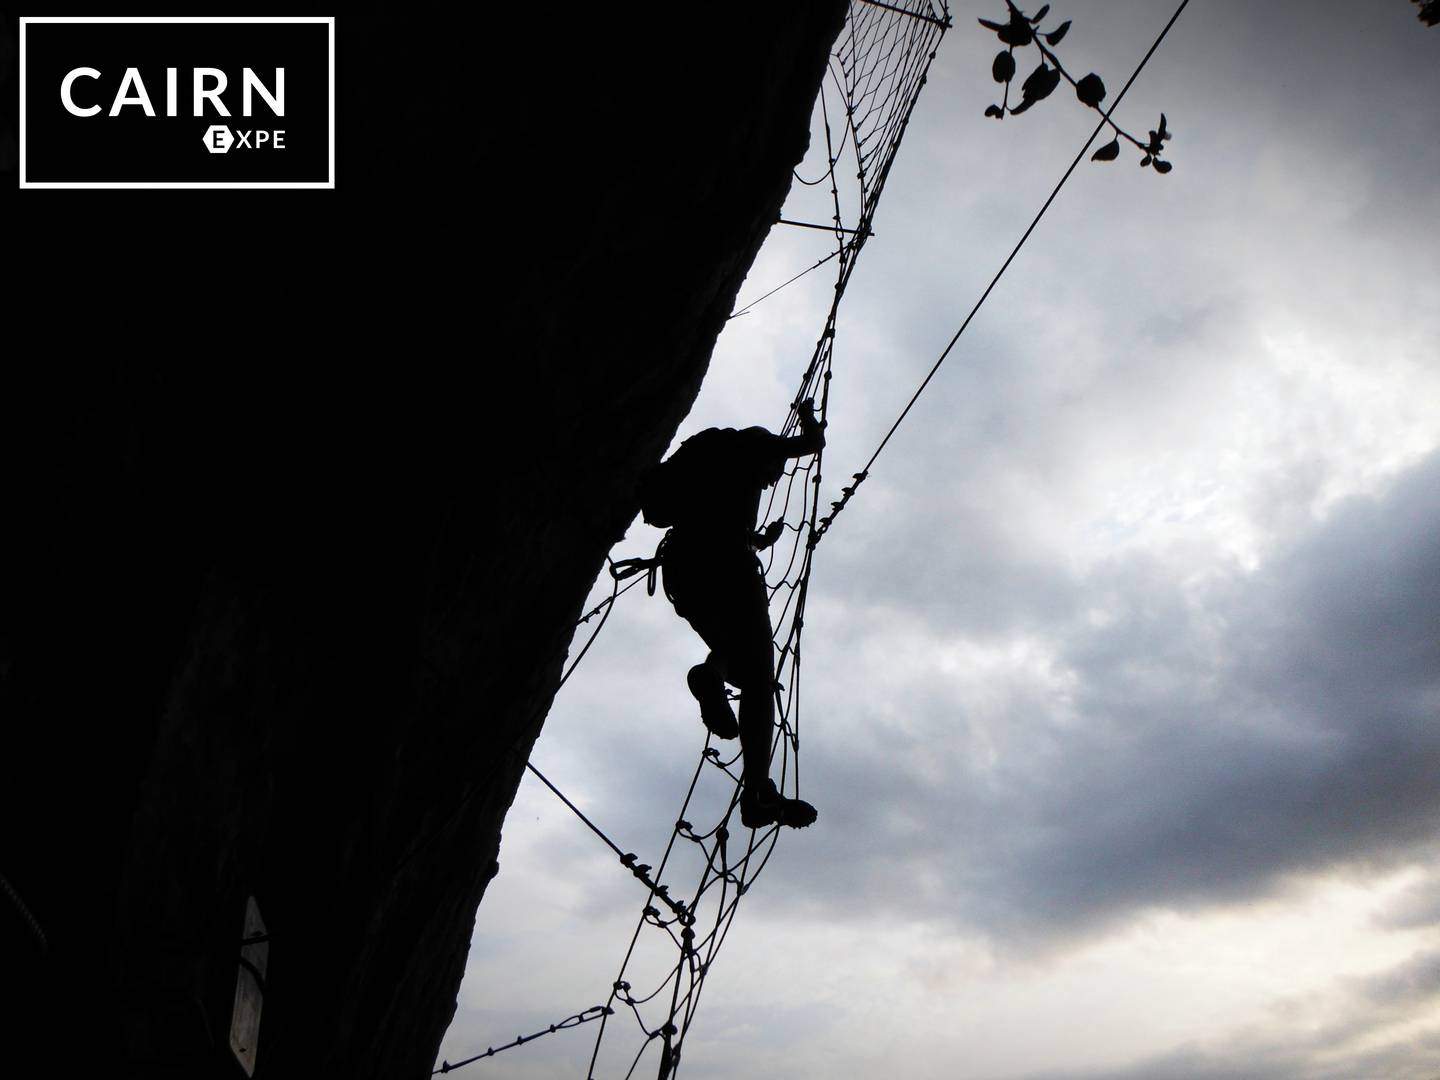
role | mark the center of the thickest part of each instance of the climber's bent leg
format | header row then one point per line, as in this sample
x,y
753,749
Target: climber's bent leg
x,y
707,685
725,599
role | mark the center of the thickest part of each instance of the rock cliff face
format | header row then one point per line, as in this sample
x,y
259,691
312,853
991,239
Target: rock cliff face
x,y
307,490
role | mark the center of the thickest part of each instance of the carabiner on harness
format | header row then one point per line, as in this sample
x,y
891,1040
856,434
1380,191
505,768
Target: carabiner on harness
x,y
628,568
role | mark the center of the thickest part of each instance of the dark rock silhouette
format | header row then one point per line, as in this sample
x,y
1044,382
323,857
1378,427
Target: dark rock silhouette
x,y
306,490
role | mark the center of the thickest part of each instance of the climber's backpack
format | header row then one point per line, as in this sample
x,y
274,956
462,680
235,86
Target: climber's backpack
x,y
674,490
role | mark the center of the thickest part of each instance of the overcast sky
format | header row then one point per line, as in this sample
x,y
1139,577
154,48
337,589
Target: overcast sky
x,y
1122,676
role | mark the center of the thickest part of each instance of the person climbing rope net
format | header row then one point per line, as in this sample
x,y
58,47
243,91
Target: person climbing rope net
x,y
708,494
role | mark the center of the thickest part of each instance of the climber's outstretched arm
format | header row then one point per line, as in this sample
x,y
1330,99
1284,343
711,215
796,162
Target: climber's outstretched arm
x,y
811,439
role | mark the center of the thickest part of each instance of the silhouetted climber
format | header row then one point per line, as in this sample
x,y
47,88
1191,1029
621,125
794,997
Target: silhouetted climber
x,y
708,493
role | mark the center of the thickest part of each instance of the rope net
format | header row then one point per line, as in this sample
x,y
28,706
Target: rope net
x,y
875,75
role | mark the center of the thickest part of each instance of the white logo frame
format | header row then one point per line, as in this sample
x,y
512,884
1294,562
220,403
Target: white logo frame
x,y
328,20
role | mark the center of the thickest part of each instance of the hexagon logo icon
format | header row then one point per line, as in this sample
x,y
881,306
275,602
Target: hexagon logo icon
x,y
218,139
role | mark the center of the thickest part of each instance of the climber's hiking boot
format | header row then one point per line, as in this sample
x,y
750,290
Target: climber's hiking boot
x,y
709,690
763,805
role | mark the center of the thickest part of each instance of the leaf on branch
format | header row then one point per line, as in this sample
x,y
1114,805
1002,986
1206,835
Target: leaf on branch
x,y
1021,30
1109,152
1017,32
1090,90
1158,137
1039,84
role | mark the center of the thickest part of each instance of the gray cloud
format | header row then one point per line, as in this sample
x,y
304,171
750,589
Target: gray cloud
x,y
1417,980
1417,907
1278,1060
1296,1044
1284,722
